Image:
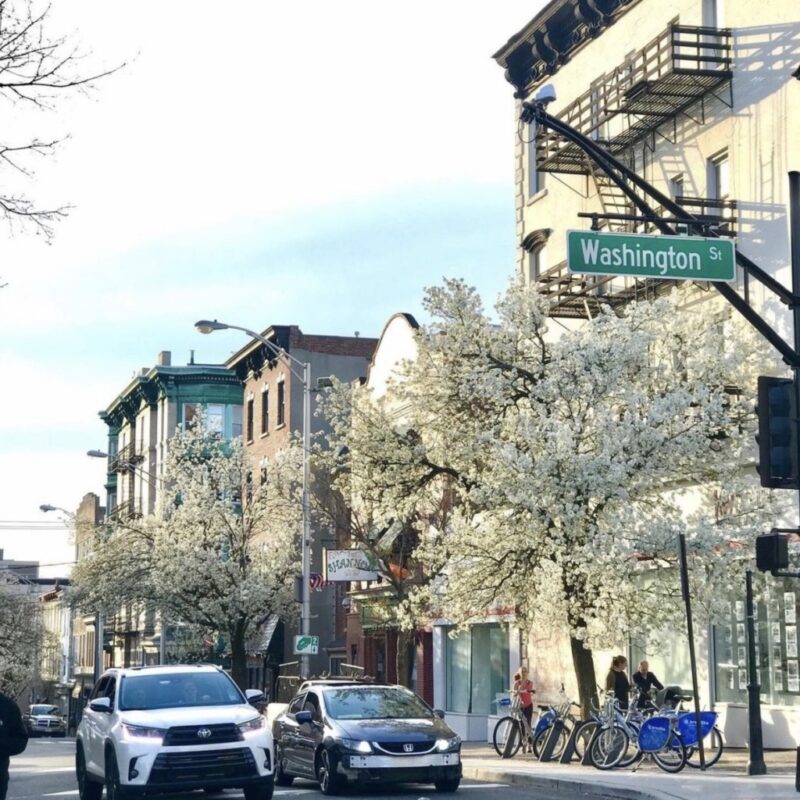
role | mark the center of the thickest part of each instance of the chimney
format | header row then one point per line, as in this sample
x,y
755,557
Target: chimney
x,y
164,358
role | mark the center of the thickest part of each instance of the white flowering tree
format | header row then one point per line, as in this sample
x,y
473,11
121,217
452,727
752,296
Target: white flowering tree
x,y
21,637
218,556
575,461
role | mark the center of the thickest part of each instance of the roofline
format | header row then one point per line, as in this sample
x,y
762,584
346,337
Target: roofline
x,y
410,321
524,33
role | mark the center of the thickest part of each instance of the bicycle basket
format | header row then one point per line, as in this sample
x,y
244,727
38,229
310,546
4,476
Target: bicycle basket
x,y
654,734
505,702
687,726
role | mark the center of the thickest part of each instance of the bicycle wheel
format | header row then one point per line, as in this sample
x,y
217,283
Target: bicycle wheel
x,y
672,757
507,737
608,747
540,739
634,754
584,738
712,746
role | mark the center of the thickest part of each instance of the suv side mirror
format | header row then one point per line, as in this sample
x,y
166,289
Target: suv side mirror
x,y
102,704
303,716
254,696
439,713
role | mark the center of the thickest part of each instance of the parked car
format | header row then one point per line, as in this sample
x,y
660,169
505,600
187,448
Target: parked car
x,y
45,720
335,731
154,730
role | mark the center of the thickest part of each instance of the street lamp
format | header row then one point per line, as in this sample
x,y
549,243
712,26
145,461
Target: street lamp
x,y
209,326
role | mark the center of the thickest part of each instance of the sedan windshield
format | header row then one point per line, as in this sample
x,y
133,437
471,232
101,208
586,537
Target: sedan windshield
x,y
176,690
44,711
374,702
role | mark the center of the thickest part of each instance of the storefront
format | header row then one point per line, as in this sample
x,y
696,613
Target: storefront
x,y
472,670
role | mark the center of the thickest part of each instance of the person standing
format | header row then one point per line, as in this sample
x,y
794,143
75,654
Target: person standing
x,y
617,681
645,680
13,738
523,688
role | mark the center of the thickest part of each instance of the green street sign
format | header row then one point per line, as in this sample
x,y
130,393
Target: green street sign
x,y
689,258
306,645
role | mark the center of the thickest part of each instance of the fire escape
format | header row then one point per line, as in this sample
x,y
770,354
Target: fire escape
x,y
670,79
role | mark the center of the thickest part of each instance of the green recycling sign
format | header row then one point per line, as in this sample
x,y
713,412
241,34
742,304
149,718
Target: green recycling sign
x,y
306,645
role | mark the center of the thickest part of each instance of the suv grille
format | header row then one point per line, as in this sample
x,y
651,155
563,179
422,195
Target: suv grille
x,y
202,765
186,735
398,748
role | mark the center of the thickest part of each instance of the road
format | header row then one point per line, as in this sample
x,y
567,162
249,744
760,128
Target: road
x,y
45,770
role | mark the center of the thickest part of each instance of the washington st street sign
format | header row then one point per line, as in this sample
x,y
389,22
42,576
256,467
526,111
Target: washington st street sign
x,y
691,258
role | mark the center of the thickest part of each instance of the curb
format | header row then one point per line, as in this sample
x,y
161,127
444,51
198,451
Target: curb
x,y
564,787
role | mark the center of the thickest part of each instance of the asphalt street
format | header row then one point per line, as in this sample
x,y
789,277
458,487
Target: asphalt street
x,y
45,770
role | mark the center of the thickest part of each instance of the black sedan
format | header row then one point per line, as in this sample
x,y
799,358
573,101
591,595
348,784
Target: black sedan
x,y
332,732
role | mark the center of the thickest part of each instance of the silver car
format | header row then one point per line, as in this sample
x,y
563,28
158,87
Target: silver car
x,y
44,719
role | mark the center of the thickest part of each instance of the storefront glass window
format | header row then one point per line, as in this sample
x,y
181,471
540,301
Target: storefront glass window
x,y
477,669
776,644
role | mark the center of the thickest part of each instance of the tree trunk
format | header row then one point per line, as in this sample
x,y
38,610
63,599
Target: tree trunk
x,y
583,663
239,657
404,659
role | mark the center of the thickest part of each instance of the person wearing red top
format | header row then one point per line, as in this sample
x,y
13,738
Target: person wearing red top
x,y
523,688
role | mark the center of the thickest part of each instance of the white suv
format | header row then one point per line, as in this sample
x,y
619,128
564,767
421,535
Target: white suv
x,y
152,730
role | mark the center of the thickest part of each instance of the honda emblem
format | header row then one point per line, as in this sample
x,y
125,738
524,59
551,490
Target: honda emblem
x,y
204,733
408,748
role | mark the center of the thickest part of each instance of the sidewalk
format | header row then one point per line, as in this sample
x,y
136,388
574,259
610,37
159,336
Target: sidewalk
x,y
726,780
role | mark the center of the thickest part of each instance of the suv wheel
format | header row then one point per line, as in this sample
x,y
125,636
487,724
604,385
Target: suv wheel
x,y
329,782
87,788
114,790
261,791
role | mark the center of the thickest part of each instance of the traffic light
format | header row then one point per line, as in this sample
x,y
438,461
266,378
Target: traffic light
x,y
772,551
777,433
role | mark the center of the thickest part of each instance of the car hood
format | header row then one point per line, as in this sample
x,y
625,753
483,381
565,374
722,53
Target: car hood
x,y
197,715
48,717
394,730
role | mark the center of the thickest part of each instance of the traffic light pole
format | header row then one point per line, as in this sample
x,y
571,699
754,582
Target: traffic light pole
x,y
794,248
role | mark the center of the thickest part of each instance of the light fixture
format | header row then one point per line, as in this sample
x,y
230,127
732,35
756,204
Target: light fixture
x,y
47,507
96,454
209,325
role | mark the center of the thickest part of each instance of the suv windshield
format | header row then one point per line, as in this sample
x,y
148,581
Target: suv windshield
x,y
178,690
375,702
43,711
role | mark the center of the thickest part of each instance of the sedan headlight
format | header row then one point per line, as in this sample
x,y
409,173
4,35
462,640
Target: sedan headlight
x,y
357,745
443,745
255,724
141,732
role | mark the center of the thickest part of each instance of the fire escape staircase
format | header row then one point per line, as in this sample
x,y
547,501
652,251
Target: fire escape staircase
x,y
641,99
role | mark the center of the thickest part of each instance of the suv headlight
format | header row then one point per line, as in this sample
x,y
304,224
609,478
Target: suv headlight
x,y
141,732
357,745
443,745
255,724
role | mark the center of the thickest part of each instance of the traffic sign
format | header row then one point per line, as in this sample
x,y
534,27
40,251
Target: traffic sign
x,y
306,645
690,258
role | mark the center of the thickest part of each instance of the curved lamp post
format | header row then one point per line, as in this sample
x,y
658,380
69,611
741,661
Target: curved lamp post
x,y
302,371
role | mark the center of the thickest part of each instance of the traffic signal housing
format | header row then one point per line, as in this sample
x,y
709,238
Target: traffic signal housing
x,y
772,551
777,433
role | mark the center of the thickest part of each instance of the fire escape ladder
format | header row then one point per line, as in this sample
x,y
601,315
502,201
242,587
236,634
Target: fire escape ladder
x,y
612,199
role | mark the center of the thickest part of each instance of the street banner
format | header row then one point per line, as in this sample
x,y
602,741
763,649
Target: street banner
x,y
350,565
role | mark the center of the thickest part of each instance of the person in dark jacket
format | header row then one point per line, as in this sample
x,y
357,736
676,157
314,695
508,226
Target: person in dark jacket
x,y
617,681
645,680
13,738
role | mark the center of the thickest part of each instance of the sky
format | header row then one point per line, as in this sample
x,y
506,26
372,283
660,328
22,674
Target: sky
x,y
256,162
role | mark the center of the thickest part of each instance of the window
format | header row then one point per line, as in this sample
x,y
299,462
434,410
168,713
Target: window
x,y
719,176
296,704
190,411
535,176
236,416
537,263
676,186
281,403
312,704
263,474
264,411
215,419
476,666
250,409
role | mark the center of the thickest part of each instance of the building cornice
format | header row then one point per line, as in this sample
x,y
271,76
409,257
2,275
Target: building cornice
x,y
553,36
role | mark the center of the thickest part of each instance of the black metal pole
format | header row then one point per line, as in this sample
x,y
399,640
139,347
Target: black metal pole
x,y
756,765
794,251
692,660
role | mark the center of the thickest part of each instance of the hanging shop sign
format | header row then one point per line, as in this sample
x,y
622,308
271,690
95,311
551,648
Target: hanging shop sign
x,y
350,565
